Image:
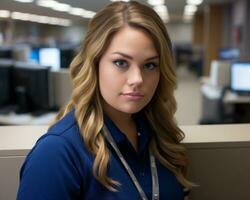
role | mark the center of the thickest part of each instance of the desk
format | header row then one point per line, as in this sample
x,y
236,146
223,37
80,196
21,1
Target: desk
x,y
223,107
231,97
27,119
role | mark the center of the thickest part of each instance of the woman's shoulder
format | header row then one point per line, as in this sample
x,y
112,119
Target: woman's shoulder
x,y
62,145
65,129
62,140
57,162
64,125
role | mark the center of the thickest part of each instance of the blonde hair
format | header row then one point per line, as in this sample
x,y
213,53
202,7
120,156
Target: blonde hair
x,y
86,100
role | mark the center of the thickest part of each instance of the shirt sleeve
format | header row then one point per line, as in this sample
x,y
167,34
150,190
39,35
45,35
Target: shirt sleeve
x,y
49,172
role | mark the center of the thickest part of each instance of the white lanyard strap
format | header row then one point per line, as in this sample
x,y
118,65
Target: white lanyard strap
x,y
155,183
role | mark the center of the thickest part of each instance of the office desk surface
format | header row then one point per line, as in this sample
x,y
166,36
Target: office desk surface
x,y
231,97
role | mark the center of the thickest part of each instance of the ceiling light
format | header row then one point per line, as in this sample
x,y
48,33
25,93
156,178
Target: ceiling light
x,y
162,11
77,11
4,13
62,7
156,2
47,3
43,20
194,2
16,15
40,19
120,0
25,1
190,9
59,21
88,14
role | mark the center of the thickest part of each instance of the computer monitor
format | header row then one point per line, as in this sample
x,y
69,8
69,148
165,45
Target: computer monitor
x,y
5,81
31,87
67,55
240,77
50,57
229,54
5,53
34,55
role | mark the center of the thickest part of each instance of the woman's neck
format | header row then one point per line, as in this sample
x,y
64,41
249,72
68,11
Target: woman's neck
x,y
125,123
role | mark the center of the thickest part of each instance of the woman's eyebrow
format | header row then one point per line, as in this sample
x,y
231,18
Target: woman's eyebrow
x,y
130,57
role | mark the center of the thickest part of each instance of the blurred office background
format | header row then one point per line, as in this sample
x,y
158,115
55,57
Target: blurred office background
x,y
211,44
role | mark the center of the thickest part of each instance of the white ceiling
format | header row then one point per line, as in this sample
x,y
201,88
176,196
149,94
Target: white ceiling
x,y
175,7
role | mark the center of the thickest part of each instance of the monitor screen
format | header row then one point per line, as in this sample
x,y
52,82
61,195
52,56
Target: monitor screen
x,y
50,57
5,81
240,77
31,86
34,55
67,56
229,54
5,53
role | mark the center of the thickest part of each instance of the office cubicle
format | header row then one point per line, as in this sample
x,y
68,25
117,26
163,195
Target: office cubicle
x,y
218,157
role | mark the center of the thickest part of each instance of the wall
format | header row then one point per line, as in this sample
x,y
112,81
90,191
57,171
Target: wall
x,y
240,27
180,33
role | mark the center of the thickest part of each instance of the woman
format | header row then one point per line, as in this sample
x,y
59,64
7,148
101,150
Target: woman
x,y
117,137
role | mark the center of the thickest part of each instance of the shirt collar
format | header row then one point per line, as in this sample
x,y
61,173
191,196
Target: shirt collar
x,y
142,126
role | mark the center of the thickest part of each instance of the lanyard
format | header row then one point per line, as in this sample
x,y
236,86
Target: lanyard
x,y
155,183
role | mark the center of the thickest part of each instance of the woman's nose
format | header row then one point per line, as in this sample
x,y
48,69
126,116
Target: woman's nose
x,y
135,76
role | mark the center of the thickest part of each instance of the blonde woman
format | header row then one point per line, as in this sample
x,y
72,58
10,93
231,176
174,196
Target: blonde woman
x,y
116,138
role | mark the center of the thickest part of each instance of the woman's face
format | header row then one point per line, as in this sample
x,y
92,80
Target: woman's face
x,y
128,71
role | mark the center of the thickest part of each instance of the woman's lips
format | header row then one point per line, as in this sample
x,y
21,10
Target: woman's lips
x,y
133,96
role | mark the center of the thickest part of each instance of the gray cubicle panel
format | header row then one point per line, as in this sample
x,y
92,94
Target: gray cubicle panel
x,y
9,168
62,87
219,158
219,161
222,171
15,143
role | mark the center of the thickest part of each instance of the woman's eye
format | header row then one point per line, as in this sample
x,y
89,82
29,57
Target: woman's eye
x,y
150,66
120,63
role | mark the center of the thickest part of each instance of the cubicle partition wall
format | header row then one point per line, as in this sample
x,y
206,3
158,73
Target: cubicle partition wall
x,y
219,158
219,161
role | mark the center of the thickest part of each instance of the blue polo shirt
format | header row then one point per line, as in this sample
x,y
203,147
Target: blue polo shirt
x,y
59,167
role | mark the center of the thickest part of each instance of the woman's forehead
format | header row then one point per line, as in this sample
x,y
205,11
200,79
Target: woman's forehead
x,y
132,41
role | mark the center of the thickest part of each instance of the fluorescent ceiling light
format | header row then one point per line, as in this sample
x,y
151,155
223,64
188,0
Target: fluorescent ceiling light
x,y
190,9
62,7
59,21
4,13
43,20
120,0
156,2
47,3
25,1
88,14
77,11
82,12
55,5
162,11
40,19
194,2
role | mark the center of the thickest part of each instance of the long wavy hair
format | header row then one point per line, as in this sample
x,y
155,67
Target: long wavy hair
x,y
87,102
